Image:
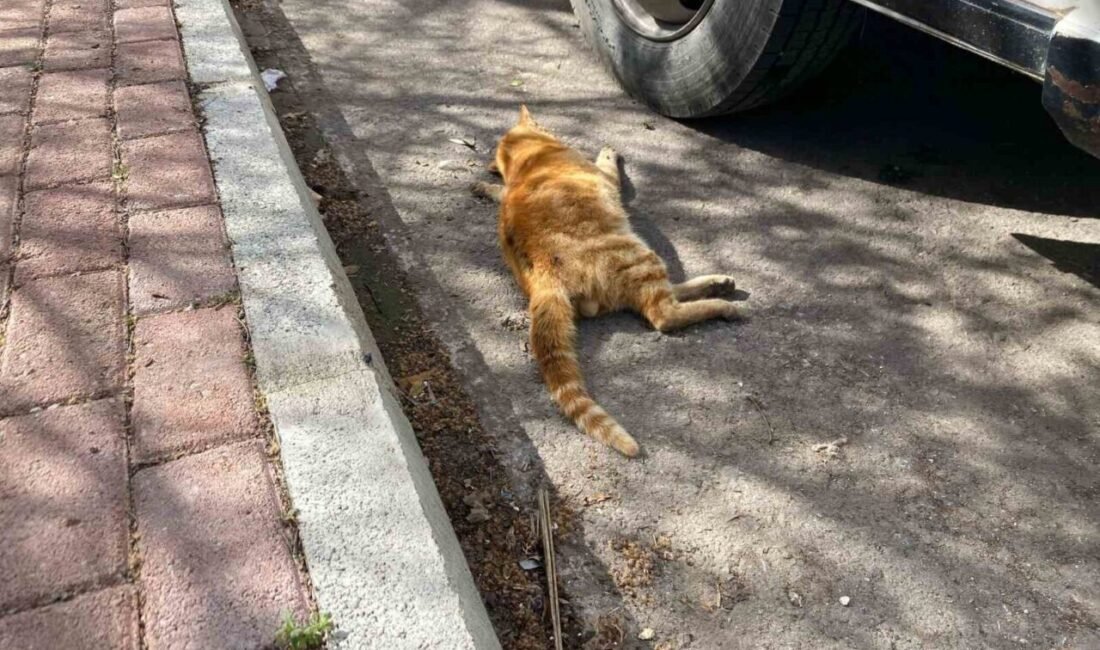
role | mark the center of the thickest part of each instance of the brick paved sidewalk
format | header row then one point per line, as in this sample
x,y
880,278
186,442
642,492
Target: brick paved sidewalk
x,y
138,507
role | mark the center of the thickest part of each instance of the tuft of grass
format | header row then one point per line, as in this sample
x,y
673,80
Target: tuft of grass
x,y
307,635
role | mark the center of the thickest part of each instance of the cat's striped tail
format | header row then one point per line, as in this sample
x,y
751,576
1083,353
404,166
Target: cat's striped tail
x,y
552,335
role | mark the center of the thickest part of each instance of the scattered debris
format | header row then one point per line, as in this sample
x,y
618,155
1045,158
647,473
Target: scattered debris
x,y
530,564
479,512
415,386
646,634
760,407
546,525
609,633
636,570
649,126
597,498
315,197
464,142
516,83
728,593
662,546
351,269
795,598
844,600
271,78
451,165
517,322
831,449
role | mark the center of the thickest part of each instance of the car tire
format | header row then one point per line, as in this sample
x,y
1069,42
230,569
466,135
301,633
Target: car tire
x,y
738,54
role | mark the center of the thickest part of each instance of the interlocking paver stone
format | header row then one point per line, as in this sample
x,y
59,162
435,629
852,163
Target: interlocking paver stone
x,y
71,95
67,229
15,89
66,337
64,484
100,620
22,14
11,143
178,257
144,24
168,171
19,46
216,571
78,15
69,152
77,50
9,188
191,387
149,61
153,109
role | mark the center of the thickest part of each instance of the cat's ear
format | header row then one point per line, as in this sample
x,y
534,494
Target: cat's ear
x,y
525,116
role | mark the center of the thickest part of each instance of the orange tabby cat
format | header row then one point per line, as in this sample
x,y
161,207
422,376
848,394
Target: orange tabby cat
x,y
565,236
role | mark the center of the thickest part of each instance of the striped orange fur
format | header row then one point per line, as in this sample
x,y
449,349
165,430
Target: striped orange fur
x,y
566,238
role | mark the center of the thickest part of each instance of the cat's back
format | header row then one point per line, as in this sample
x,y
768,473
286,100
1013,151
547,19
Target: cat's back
x,y
561,190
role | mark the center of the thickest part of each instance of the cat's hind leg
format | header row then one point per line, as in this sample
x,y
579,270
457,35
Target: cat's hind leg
x,y
494,191
669,314
704,286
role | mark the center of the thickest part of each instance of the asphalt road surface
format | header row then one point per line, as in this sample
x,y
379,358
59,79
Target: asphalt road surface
x,y
921,253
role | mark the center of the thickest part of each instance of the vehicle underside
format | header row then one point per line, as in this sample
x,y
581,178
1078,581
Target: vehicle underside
x,y
1056,42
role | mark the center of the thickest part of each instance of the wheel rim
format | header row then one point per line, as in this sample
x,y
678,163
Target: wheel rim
x,y
662,20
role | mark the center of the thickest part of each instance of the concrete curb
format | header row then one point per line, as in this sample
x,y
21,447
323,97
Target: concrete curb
x,y
383,558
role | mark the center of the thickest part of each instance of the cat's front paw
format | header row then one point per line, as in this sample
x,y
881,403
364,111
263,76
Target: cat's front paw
x,y
487,190
608,155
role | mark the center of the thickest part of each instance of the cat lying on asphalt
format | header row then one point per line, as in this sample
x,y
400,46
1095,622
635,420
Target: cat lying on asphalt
x,y
565,235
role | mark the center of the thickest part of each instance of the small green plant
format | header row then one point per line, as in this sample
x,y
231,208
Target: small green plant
x,y
303,636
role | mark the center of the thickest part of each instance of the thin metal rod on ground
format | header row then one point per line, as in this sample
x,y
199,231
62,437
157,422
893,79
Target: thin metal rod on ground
x,y
546,525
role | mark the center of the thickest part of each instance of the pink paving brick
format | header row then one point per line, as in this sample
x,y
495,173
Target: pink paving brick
x,y
78,50
19,46
168,171
11,143
191,388
149,61
144,24
22,14
67,229
216,570
69,152
71,95
64,488
177,258
153,109
9,188
15,89
66,337
100,620
78,15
